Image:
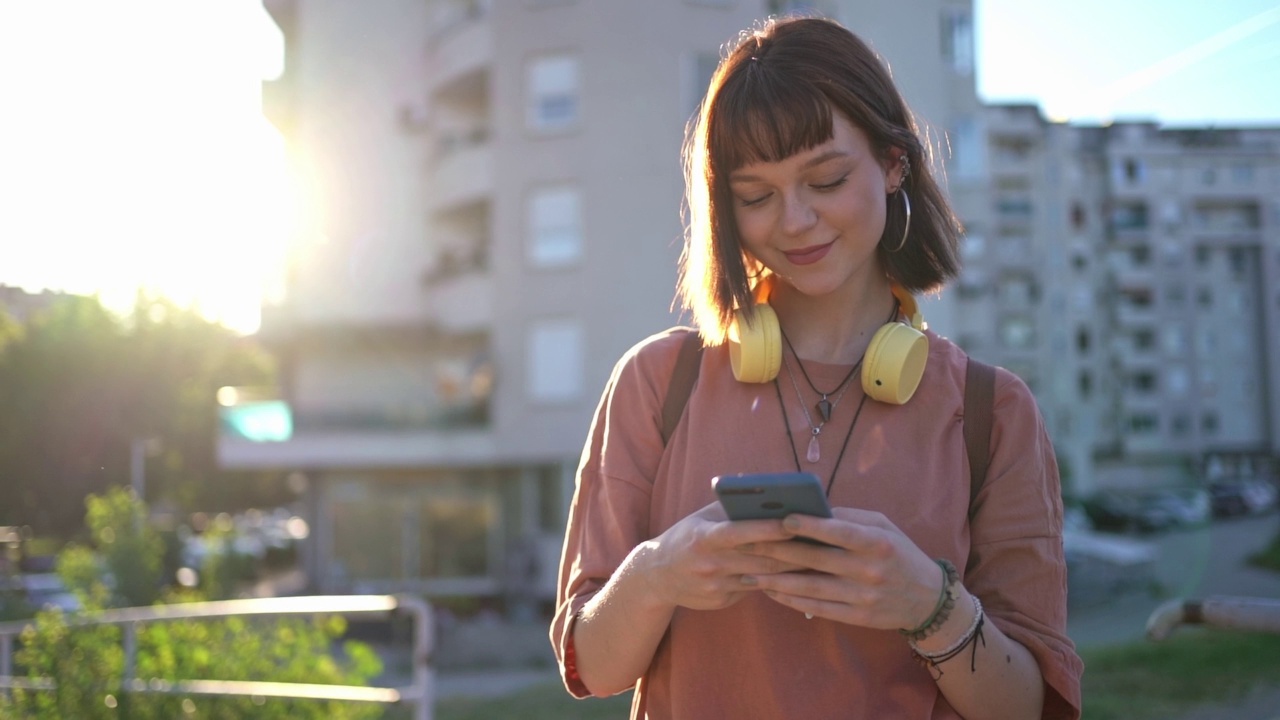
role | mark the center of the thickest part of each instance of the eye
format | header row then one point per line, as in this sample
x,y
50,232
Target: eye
x,y
744,202
831,185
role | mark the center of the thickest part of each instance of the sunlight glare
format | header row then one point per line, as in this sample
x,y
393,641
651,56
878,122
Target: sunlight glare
x,y
137,156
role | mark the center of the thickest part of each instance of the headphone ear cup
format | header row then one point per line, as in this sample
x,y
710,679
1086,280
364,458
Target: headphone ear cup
x,y
755,348
894,363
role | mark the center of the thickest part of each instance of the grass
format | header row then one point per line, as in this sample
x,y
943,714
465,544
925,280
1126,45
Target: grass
x,y
1147,680
1138,681
1268,558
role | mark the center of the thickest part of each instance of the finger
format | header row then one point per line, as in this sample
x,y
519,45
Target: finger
x,y
864,517
813,607
740,533
807,584
840,533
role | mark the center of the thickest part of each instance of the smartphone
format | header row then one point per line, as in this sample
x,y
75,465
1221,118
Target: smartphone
x,y
764,496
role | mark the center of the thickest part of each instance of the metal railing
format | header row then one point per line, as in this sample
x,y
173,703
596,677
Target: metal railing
x,y
419,694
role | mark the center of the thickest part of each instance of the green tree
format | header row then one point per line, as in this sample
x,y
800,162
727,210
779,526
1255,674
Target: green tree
x,y
80,385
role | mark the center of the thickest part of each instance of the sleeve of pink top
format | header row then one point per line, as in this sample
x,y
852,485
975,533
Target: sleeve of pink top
x,y
1016,565
609,515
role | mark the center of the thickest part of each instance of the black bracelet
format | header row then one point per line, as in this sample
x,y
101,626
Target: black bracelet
x,y
942,611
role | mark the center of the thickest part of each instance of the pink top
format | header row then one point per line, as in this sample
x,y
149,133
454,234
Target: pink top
x,y
758,658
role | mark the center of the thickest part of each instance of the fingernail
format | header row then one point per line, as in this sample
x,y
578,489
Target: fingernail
x,y
791,523
748,579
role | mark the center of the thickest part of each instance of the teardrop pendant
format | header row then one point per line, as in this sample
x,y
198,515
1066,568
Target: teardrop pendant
x,y
824,408
813,455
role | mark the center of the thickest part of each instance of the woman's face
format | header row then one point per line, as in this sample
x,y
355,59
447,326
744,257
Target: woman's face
x,y
816,217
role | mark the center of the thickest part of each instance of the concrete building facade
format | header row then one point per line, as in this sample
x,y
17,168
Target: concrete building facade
x,y
495,193
1129,274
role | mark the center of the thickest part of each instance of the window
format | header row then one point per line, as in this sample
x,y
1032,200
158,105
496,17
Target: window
x,y
554,223
1143,424
553,93
1086,384
1017,332
1141,255
957,39
968,149
1204,296
555,360
1132,171
1078,216
1181,425
1143,382
1144,339
1209,423
972,245
1082,340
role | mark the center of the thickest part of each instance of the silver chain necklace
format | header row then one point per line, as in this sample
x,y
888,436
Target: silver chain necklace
x,y
814,453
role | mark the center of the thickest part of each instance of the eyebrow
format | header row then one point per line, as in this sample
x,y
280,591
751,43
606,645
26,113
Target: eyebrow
x,y
811,162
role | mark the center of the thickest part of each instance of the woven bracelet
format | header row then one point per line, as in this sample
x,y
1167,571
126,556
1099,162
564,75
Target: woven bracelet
x,y
971,635
942,611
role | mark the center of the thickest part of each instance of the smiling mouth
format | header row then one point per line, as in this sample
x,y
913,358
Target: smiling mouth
x,y
809,255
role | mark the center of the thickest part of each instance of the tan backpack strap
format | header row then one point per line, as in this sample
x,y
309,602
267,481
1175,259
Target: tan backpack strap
x,y
683,377
979,399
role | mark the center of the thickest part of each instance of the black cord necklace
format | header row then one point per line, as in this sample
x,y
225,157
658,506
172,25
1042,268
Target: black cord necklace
x,y
795,455
792,441
824,405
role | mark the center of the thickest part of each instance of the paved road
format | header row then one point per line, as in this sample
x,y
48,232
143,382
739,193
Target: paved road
x,y
1192,563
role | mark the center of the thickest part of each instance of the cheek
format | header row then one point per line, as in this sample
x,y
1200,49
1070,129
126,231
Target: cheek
x,y
751,228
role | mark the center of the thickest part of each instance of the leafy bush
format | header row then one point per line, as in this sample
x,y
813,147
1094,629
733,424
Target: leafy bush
x,y
86,662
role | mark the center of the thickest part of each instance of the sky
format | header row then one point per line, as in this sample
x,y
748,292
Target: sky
x,y
133,152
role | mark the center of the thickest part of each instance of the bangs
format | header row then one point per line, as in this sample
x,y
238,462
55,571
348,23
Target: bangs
x,y
763,116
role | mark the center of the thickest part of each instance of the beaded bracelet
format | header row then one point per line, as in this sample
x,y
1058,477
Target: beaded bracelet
x,y
942,611
971,635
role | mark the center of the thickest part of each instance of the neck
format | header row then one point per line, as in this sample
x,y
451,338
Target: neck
x,y
833,328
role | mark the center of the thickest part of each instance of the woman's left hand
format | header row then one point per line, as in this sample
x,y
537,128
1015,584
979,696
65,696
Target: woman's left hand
x,y
873,576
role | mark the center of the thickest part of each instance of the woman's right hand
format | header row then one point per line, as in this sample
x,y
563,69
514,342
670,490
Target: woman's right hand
x,y
699,562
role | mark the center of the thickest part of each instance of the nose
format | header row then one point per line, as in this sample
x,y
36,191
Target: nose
x,y
798,214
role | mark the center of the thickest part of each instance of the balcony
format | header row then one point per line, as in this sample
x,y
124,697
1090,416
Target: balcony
x,y
321,450
464,169
462,42
260,430
1227,220
460,299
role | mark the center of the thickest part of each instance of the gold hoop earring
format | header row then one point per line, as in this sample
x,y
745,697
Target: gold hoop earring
x,y
906,227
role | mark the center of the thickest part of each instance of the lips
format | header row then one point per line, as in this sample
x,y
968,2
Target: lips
x,y
809,255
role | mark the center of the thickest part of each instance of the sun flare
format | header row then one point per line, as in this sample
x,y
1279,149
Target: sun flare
x,y
136,155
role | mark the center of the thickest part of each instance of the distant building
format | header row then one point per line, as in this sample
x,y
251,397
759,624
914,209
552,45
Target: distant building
x,y
496,192
1131,275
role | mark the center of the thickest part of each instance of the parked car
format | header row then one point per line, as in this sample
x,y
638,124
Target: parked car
x,y
1151,511
46,589
1242,497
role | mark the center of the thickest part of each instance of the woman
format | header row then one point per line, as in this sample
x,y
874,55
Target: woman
x,y
809,188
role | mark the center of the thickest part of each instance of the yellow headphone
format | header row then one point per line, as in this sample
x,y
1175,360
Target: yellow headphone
x,y
891,368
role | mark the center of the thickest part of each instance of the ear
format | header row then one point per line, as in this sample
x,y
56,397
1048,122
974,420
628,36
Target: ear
x,y
896,163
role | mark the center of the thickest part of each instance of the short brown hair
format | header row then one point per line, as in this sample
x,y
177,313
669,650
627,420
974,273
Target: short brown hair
x,y
772,97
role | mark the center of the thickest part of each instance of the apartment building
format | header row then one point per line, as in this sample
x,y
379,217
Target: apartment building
x,y
494,194
1129,274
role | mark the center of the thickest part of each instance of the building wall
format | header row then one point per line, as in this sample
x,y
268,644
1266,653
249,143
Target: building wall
x,y
433,358
1151,253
